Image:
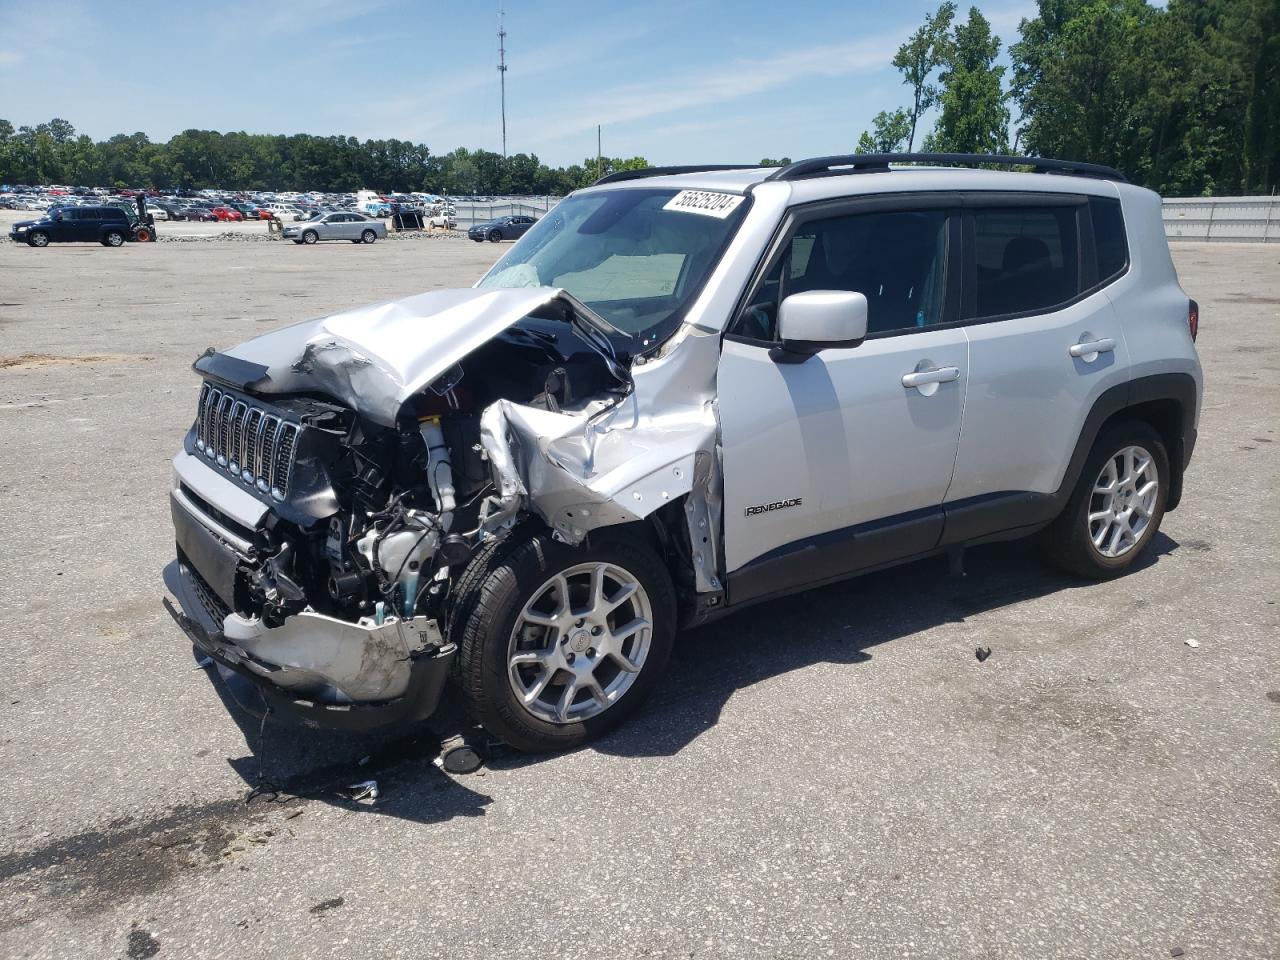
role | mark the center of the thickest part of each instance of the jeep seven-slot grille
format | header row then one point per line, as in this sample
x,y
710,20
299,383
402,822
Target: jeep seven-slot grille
x,y
251,443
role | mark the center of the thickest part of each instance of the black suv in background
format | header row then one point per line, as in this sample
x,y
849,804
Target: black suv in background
x,y
110,226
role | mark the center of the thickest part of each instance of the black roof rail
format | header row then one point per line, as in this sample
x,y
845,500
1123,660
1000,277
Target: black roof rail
x,y
644,172
879,163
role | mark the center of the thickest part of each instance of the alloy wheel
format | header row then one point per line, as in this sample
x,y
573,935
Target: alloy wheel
x,y
1122,501
580,642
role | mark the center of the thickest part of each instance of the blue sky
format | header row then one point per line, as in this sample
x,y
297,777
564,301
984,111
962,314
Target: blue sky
x,y
675,82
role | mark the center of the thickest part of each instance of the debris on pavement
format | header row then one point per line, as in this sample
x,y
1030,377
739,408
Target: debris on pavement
x,y
1191,643
364,791
982,653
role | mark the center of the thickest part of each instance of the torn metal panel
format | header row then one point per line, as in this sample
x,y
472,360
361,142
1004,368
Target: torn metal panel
x,y
376,357
702,513
331,659
612,463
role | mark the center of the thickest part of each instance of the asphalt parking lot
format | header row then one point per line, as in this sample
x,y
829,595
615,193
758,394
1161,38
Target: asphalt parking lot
x,y
830,775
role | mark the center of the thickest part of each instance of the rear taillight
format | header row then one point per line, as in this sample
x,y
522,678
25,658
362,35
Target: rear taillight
x,y
1193,318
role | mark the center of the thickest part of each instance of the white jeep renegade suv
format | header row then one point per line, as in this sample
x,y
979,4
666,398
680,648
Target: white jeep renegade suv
x,y
682,392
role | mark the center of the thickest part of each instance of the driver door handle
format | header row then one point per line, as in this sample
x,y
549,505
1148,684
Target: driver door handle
x,y
1104,345
923,377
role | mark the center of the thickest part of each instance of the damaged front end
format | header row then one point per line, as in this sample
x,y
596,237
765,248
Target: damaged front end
x,y
342,473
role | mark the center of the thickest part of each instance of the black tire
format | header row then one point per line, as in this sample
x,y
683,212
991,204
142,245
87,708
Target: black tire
x,y
113,238
368,236
495,236
298,242
38,238
490,596
1067,543
309,237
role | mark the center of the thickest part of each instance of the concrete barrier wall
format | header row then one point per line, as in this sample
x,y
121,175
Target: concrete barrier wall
x,y
1254,219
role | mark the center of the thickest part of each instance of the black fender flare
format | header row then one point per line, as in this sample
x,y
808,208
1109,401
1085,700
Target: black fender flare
x,y
1132,396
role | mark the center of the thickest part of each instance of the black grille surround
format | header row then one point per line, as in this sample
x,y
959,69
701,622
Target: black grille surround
x,y
251,443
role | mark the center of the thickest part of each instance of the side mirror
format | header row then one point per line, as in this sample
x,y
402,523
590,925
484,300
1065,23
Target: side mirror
x,y
819,320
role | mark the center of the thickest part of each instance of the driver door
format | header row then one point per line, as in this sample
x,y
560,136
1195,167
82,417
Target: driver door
x,y
841,462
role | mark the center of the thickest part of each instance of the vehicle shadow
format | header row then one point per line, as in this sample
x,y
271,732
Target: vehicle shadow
x,y
842,623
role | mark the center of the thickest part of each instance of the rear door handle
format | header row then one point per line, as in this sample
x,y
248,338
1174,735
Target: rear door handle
x,y
924,377
1088,350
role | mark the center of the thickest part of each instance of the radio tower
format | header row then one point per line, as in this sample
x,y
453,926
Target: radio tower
x,y
502,77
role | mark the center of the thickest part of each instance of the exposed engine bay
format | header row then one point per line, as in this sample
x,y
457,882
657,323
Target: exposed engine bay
x,y
405,502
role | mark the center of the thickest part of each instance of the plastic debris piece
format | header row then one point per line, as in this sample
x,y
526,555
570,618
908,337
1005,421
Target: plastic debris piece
x,y
364,791
1176,951
1191,643
293,813
982,653
460,760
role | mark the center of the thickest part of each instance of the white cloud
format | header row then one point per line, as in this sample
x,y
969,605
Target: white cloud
x,y
9,58
628,103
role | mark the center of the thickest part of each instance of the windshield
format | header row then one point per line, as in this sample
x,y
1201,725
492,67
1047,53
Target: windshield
x,y
636,257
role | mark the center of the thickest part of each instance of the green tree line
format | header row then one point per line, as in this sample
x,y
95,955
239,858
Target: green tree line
x,y
1184,99
196,159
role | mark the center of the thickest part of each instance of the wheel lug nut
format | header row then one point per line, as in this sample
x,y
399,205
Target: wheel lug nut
x,y
568,658
591,651
596,631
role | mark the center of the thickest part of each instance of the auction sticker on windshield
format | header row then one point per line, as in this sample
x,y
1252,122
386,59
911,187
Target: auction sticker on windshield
x,y
705,202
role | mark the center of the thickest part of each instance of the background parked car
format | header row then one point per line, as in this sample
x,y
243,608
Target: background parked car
x,y
337,226
202,214
504,228
228,213
110,226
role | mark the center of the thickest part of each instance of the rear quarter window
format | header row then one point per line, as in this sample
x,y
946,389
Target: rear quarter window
x,y
1108,237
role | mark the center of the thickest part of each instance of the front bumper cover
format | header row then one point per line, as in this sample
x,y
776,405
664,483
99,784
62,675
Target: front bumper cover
x,y
319,670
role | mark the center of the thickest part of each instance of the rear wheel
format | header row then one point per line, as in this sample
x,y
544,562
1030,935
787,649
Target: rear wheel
x,y
1116,508
310,237
559,644
368,236
113,238
38,238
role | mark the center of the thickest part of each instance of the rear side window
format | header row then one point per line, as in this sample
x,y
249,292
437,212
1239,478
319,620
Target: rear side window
x,y
1108,237
1026,259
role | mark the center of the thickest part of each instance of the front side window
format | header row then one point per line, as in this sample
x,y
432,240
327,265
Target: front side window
x,y
636,256
897,260
1026,259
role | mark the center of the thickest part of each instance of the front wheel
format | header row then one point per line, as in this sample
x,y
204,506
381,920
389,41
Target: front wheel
x,y
559,644
1116,508
38,238
495,236
310,237
368,236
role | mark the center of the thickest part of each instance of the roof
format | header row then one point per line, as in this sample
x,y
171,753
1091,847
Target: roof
x,y
878,173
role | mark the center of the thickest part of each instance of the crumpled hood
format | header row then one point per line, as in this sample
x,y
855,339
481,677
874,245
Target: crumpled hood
x,y
375,357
